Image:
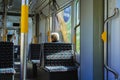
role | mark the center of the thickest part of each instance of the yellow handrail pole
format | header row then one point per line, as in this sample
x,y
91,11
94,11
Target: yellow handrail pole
x,y
49,36
74,37
49,30
4,30
74,40
24,39
4,36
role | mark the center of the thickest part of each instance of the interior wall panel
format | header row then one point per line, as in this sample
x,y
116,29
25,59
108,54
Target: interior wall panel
x,y
114,39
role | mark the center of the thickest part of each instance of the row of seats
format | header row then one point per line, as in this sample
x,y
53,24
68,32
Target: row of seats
x,y
56,60
53,57
57,54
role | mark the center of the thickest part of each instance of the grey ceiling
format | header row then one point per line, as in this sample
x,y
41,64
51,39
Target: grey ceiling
x,y
42,5
35,5
16,6
12,5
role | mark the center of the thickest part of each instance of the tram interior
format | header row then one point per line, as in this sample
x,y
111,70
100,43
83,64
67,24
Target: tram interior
x,y
88,47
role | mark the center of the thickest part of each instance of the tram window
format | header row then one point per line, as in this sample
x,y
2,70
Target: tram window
x,y
64,19
78,39
78,11
78,28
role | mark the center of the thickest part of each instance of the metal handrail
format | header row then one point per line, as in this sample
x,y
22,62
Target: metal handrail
x,y
75,28
116,11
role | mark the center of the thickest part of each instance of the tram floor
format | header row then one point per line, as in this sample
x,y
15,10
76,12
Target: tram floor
x,y
29,74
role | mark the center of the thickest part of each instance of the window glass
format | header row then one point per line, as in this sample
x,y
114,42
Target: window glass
x,y
78,17
64,20
78,28
78,39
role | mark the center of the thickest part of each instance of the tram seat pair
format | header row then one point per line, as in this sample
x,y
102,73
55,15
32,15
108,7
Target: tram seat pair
x,y
57,62
6,61
55,59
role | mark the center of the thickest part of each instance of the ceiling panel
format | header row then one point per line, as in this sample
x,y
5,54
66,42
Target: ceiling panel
x,y
36,6
43,5
0,1
61,3
46,11
1,6
16,6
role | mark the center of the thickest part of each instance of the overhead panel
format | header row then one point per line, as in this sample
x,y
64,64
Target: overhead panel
x,y
0,1
32,5
46,11
38,6
16,6
35,5
40,2
1,6
62,3
43,5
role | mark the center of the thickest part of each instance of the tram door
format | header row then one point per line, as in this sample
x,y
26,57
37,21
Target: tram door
x,y
113,50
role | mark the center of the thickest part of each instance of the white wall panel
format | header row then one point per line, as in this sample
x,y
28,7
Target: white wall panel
x,y
42,29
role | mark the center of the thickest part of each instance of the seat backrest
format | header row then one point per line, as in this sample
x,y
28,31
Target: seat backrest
x,y
17,49
6,55
57,54
34,51
17,52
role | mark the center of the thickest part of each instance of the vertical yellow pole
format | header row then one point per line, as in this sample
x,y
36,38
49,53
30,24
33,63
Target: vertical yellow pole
x,y
49,30
4,32
24,38
24,19
74,40
74,37
49,37
4,37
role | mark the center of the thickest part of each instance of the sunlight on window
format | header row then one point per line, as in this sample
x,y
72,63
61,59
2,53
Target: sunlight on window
x,y
64,18
78,29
